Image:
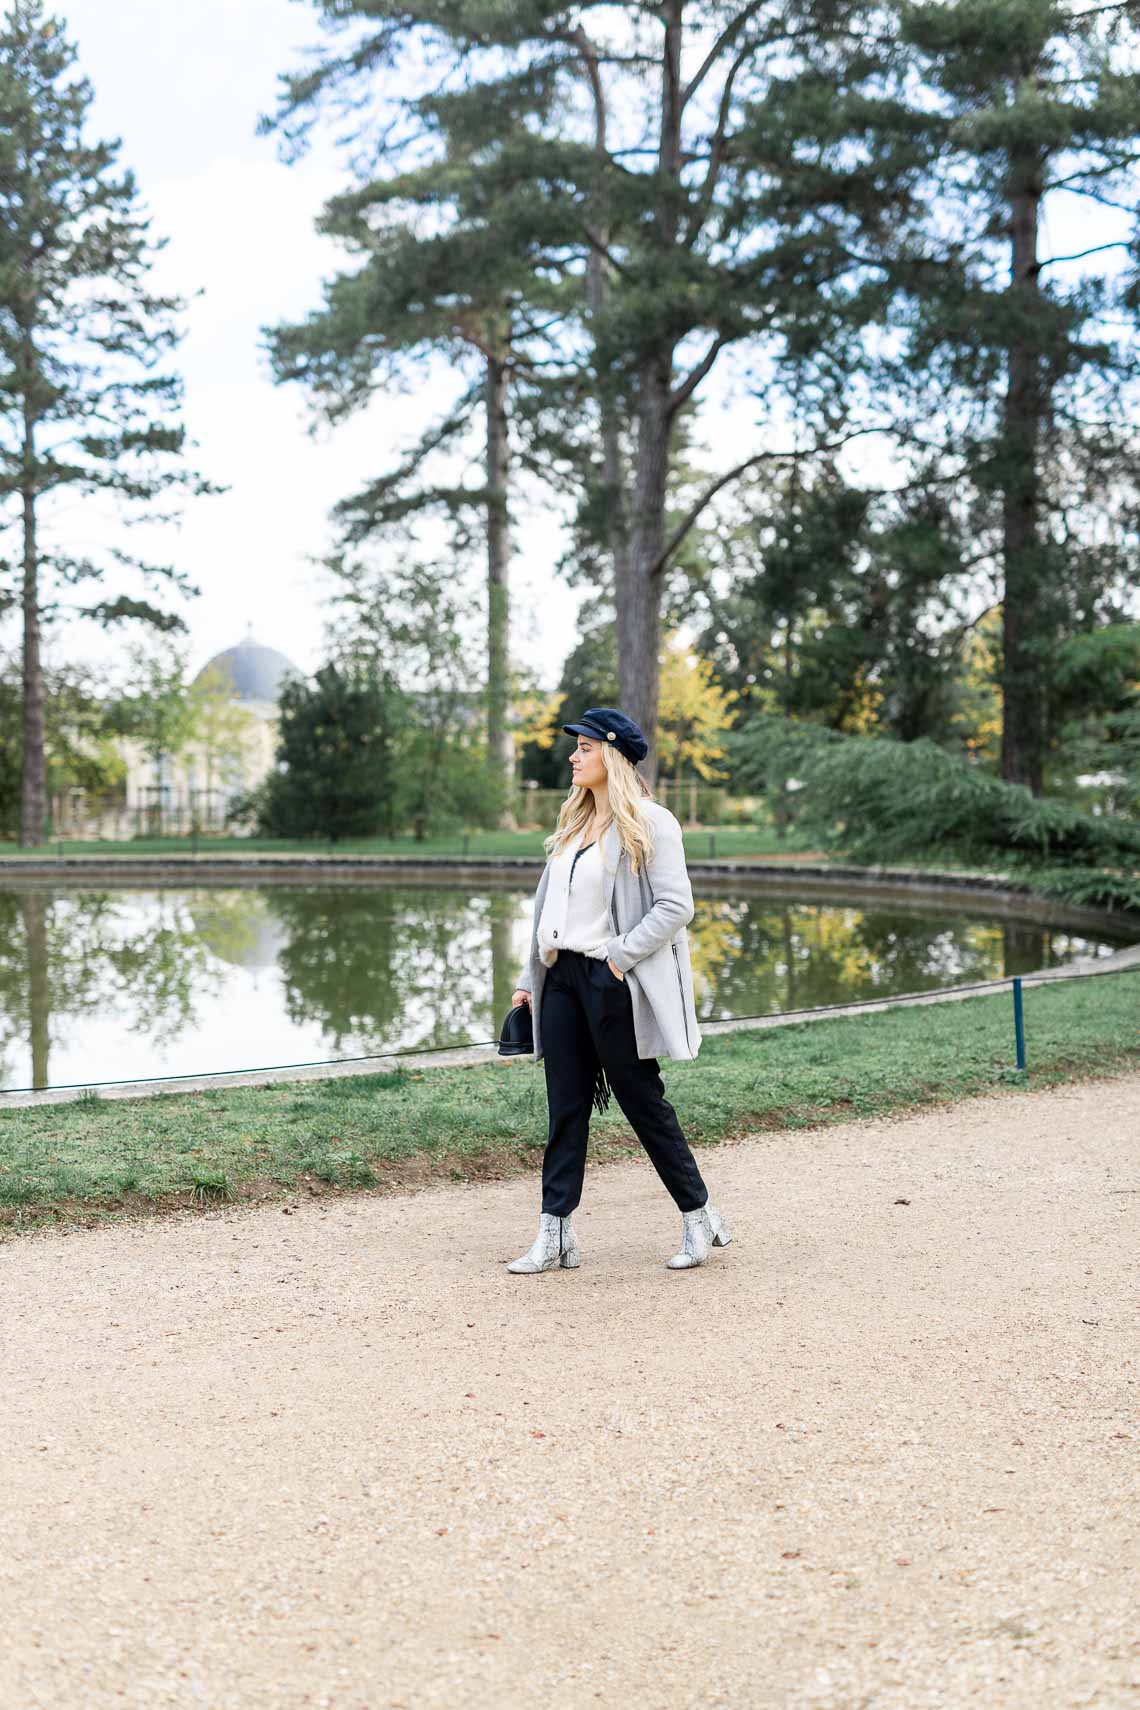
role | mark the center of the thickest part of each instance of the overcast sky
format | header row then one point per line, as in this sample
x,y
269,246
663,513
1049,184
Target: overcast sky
x,y
183,87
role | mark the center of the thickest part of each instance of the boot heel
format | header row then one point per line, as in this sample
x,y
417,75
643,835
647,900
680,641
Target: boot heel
x,y
721,1236
571,1261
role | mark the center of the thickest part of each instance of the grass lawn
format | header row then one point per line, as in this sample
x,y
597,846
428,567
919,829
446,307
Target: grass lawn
x,y
100,1159
728,841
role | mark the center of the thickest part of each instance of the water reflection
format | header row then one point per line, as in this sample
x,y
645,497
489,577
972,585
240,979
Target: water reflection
x,y
119,983
67,958
755,957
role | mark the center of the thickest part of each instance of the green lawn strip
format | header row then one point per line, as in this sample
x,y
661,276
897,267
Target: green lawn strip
x,y
727,841
393,1129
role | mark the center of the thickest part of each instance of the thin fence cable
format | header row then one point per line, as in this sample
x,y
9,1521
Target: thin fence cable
x,y
1039,978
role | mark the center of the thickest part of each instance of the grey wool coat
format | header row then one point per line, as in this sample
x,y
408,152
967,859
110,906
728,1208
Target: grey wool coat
x,y
650,912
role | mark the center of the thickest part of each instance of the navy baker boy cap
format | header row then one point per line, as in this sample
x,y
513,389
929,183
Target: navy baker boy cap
x,y
610,724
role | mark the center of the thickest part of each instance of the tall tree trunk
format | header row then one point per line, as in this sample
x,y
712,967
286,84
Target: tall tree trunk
x,y
33,907
1023,696
597,291
639,604
500,745
779,790
33,792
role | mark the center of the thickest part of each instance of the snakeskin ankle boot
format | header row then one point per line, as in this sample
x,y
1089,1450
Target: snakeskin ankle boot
x,y
556,1245
701,1230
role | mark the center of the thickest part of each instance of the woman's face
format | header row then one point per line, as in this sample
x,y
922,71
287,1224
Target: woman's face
x,y
586,764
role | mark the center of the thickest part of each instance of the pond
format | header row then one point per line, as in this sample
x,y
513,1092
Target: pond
x,y
122,983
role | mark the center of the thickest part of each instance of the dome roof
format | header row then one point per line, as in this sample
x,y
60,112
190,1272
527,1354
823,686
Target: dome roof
x,y
257,673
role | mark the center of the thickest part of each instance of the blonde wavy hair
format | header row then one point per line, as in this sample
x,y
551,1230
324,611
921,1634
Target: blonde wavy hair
x,y
627,791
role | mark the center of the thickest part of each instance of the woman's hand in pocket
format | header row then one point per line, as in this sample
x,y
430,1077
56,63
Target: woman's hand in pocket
x,y
616,972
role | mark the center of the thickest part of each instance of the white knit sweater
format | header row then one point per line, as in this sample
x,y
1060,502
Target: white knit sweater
x,y
574,915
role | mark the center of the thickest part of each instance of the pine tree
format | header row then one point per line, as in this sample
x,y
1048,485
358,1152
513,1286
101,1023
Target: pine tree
x,y
430,275
381,324
931,151
84,405
594,149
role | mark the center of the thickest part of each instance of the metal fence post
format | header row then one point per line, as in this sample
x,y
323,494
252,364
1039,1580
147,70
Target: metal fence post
x,y
1018,1023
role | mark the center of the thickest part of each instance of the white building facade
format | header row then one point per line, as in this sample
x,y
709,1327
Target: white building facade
x,y
196,788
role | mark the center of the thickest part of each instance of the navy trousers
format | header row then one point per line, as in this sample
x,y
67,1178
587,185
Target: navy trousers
x,y
587,1020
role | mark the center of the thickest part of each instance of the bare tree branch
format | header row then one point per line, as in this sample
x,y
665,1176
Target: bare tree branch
x,y
1098,11
1109,170
716,152
603,250
1080,254
680,394
723,41
723,481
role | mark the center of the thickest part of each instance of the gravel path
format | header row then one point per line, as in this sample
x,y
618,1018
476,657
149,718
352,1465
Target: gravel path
x,y
875,1455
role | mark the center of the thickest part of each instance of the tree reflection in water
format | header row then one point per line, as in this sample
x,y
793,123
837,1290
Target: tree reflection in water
x,y
64,955
755,956
394,965
348,969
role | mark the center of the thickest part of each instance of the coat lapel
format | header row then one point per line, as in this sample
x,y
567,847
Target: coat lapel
x,y
610,852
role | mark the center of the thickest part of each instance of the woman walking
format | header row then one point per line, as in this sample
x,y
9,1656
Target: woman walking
x,y
610,987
